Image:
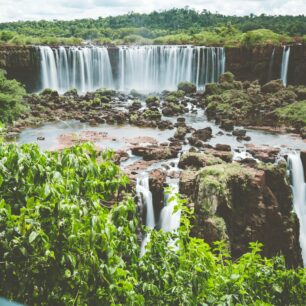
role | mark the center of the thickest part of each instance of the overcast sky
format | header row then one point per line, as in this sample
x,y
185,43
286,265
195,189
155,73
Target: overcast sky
x,y
12,10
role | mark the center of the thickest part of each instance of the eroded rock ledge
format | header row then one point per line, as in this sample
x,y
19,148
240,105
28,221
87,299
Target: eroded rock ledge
x,y
240,203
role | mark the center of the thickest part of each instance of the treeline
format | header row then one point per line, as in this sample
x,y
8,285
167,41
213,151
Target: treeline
x,y
154,27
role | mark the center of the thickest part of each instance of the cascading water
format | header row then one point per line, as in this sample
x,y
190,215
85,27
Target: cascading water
x,y
285,64
145,196
271,64
84,68
299,196
154,68
144,68
170,220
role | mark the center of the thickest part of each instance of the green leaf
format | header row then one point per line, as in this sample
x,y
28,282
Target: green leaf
x,y
32,237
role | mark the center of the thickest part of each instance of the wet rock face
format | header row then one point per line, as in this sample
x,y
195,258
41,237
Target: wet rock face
x,y
21,63
157,182
254,204
263,153
155,152
197,160
255,63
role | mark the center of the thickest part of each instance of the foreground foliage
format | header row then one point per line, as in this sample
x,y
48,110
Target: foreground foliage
x,y
11,99
63,244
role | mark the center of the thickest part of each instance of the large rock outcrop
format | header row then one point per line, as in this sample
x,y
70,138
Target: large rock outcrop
x,y
21,63
256,63
242,204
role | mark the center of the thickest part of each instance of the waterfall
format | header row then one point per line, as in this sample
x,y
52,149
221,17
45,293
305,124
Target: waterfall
x,y
170,220
285,64
145,196
143,68
83,68
271,64
299,196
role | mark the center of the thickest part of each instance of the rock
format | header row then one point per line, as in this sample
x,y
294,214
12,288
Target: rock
x,y
187,182
172,109
164,124
203,134
152,114
135,106
226,156
197,160
157,182
227,125
212,89
187,87
180,133
11,135
223,147
134,169
255,205
303,132
211,229
239,133
92,122
226,77
266,154
243,138
273,86
155,152
194,141
152,101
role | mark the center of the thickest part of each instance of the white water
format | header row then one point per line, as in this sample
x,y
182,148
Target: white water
x,y
145,196
170,220
144,68
83,68
299,196
271,64
285,64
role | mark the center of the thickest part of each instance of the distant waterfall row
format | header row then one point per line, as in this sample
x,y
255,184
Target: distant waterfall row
x,y
144,68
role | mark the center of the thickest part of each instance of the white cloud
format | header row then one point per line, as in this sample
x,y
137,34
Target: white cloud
x,y
72,9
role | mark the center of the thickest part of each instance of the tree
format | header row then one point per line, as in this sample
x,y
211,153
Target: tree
x,y
11,98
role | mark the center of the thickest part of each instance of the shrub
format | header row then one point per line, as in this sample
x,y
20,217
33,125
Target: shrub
x,y
11,99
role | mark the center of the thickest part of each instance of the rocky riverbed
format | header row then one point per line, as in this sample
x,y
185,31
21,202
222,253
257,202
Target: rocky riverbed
x,y
234,176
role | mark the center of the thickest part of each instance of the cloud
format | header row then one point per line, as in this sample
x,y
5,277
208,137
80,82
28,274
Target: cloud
x,y
73,9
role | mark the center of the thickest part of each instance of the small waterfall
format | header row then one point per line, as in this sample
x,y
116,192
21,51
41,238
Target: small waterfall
x,y
285,64
299,196
271,64
144,68
170,220
145,196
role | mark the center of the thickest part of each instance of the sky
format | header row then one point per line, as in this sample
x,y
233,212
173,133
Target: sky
x,y
13,10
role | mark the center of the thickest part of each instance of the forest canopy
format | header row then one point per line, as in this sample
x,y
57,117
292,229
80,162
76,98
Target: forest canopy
x,y
175,26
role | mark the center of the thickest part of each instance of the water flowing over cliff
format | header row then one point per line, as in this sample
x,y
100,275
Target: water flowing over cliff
x,y
144,68
299,196
285,64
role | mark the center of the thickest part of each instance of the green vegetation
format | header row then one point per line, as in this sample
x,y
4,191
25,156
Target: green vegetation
x,y
68,237
175,26
11,99
293,113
